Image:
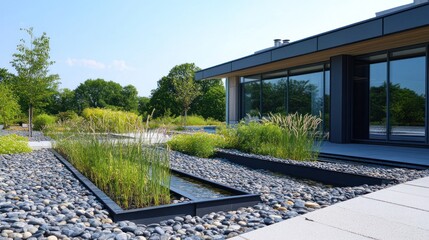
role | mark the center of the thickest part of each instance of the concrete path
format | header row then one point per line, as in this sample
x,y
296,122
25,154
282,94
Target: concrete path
x,y
40,145
398,212
418,156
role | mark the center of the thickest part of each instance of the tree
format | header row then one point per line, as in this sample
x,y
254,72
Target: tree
x,y
162,99
98,93
185,88
130,100
211,102
144,107
33,83
5,76
62,101
9,107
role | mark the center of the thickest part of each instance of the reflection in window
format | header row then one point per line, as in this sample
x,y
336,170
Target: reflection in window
x,y
408,97
326,102
274,95
305,93
377,100
251,98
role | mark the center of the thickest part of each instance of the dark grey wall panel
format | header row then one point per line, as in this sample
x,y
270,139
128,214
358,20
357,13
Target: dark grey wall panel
x,y
295,49
341,79
217,70
406,20
199,75
351,34
251,61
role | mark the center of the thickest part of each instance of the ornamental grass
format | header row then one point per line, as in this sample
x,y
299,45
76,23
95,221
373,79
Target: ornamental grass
x,y
131,171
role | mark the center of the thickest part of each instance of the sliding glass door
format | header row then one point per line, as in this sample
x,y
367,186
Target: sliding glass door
x,y
392,87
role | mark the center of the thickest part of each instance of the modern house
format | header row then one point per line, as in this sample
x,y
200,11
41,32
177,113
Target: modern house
x,y
369,80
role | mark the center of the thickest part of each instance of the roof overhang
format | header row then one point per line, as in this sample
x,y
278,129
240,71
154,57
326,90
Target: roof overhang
x,y
402,28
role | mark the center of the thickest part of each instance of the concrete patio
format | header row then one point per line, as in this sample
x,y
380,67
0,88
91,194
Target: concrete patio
x,y
398,212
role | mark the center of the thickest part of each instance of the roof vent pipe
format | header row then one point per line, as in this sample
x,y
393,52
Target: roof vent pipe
x,y
285,41
277,42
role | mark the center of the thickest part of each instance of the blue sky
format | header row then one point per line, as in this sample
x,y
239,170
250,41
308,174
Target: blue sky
x,y
137,42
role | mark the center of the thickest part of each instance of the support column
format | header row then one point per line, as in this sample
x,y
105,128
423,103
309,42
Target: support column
x,y
232,100
341,98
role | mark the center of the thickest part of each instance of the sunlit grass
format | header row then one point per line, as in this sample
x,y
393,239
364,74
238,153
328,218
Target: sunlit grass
x,y
13,143
293,136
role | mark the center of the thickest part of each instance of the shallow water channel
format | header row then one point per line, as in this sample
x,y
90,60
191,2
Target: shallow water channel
x,y
197,190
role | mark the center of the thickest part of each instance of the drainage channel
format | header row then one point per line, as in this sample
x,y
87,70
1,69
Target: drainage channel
x,y
196,190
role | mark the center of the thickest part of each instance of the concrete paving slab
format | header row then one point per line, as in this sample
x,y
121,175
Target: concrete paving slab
x,y
40,145
403,199
299,229
422,182
367,225
387,211
412,190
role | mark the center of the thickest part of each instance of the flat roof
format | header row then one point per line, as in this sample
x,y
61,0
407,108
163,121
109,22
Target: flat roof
x,y
410,18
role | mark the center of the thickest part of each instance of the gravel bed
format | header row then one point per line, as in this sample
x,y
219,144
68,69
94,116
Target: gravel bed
x,y
40,199
37,135
400,174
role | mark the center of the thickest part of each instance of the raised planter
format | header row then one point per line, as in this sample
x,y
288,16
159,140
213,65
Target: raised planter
x,y
164,212
339,179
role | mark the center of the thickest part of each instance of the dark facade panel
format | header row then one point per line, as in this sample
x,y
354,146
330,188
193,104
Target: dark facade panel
x,y
253,60
295,49
360,32
406,20
341,75
216,70
199,75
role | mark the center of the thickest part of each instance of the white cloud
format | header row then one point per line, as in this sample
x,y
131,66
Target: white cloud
x,y
120,65
89,63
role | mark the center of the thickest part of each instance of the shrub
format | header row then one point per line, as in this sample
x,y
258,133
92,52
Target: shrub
x,y
229,134
9,107
199,144
13,143
174,122
106,120
293,136
68,115
43,120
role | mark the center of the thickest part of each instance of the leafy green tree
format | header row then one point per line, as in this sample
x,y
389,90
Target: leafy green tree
x,y
5,76
211,102
130,100
178,89
62,101
162,99
33,83
144,107
9,107
98,93
185,88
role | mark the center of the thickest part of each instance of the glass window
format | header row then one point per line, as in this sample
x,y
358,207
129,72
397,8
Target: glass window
x,y
251,98
407,97
327,101
377,100
305,93
274,95
251,78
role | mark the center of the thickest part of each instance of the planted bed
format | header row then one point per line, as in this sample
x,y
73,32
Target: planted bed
x,y
212,197
326,176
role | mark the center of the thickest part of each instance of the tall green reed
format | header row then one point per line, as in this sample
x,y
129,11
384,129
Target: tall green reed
x,y
131,171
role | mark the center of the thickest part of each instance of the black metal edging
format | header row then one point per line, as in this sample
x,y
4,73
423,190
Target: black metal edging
x,y
325,176
326,157
164,212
